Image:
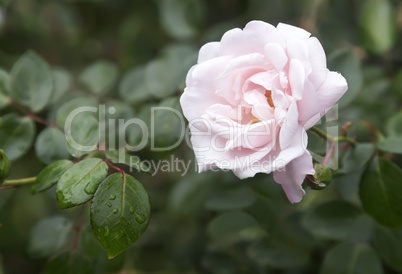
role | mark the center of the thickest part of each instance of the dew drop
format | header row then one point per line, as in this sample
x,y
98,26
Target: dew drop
x,y
121,235
107,231
98,210
140,218
115,211
90,188
112,197
60,196
131,210
109,205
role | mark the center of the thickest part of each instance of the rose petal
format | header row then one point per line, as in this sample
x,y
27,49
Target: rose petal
x,y
234,42
316,103
309,107
208,51
333,88
318,61
259,104
245,62
278,158
293,176
276,55
260,33
200,98
297,77
297,49
292,32
289,126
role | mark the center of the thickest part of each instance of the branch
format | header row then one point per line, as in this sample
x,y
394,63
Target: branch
x,y
19,182
331,138
32,115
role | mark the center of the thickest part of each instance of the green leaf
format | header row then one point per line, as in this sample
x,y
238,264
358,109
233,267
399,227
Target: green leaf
x,y
168,125
175,18
219,262
83,135
337,220
69,263
133,86
181,57
356,157
266,253
347,63
50,145
397,85
16,135
67,108
62,82
118,110
48,236
120,212
349,258
232,227
381,192
188,195
50,175
391,144
4,89
231,199
158,79
99,77
394,125
5,166
31,82
79,183
389,246
378,26
115,111
91,246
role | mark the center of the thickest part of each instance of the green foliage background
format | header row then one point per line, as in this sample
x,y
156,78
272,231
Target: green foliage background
x,y
133,55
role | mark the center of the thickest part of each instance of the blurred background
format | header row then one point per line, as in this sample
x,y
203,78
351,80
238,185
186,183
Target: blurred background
x,y
210,222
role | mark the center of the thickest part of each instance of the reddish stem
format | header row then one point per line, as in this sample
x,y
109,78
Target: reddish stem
x,y
115,167
8,187
78,228
32,115
329,153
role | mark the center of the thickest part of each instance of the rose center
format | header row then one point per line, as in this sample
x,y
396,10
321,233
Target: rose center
x,y
268,94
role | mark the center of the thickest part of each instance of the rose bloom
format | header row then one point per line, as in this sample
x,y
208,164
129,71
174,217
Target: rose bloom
x,y
251,97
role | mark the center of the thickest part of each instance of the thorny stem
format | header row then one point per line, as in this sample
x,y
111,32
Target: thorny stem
x,y
331,138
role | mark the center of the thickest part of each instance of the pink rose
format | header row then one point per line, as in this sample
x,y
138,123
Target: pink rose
x,y
251,97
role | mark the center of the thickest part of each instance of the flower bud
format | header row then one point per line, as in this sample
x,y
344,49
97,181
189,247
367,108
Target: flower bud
x,y
321,178
322,173
5,166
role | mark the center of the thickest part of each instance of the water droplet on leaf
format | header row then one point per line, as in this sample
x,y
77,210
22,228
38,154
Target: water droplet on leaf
x,y
115,211
109,205
112,197
107,231
90,188
140,218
